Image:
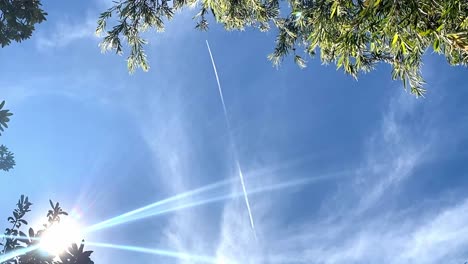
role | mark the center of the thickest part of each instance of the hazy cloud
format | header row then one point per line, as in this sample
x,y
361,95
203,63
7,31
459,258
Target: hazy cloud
x,y
65,33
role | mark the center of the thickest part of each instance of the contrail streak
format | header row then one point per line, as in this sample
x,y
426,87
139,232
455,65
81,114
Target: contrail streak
x,y
241,176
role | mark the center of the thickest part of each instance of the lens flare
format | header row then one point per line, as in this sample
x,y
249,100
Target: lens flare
x,y
17,253
159,252
58,237
140,212
215,195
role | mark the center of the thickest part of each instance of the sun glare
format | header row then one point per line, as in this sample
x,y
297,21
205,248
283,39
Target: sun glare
x,y
222,260
60,236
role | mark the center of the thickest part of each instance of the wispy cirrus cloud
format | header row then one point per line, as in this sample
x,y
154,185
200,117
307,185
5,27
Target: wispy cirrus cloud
x,y
352,221
439,236
352,235
394,150
66,32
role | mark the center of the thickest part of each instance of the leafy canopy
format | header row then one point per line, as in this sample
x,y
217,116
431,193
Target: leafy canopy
x,y
18,19
356,35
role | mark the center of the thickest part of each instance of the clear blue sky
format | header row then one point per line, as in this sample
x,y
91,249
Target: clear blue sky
x,y
387,173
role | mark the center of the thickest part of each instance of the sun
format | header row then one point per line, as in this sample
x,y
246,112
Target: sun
x,y
60,236
222,260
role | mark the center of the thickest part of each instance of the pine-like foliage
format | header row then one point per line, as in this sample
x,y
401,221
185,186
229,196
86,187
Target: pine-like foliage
x,y
356,35
18,19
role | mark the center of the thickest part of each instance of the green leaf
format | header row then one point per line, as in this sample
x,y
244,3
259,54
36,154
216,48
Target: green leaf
x,y
440,28
425,33
436,45
31,232
334,7
300,61
403,47
395,39
340,62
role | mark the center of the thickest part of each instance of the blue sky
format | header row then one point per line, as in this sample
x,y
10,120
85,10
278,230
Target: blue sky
x,y
383,175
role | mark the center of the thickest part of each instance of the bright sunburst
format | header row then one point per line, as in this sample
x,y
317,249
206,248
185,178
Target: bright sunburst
x,y
60,236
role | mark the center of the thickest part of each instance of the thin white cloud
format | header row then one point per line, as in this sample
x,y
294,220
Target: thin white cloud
x,y
174,158
65,33
442,235
394,153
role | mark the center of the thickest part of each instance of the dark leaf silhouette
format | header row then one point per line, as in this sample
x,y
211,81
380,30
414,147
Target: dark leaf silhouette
x,y
7,159
4,117
76,255
17,239
18,19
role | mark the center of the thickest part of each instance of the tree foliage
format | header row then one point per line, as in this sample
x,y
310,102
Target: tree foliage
x,y
18,19
4,117
76,255
15,239
7,159
356,35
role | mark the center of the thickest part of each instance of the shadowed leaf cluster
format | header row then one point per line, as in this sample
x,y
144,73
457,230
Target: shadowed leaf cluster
x,y
4,117
18,19
7,159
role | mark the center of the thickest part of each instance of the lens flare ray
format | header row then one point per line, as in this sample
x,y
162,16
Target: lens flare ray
x,y
17,253
216,195
159,252
136,214
241,176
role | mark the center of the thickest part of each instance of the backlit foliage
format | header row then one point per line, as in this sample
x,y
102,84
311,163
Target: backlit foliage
x,y
355,35
15,239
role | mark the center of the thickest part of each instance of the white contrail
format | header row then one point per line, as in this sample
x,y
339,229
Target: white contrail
x,y
241,176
